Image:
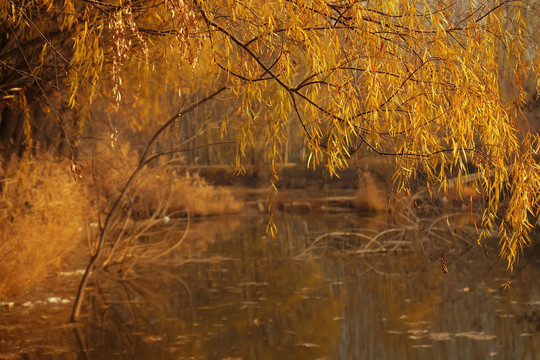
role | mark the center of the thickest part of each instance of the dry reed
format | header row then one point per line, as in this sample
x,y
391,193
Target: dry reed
x,y
160,188
42,213
138,230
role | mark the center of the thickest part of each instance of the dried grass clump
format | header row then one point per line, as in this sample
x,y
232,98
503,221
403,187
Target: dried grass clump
x,y
41,212
202,199
162,189
159,188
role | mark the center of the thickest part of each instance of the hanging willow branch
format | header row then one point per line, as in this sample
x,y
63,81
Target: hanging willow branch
x,y
438,86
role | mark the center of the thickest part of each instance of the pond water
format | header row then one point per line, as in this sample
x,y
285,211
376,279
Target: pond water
x,y
230,292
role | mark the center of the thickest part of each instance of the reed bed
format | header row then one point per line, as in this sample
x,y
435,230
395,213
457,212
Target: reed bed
x,y
48,213
42,214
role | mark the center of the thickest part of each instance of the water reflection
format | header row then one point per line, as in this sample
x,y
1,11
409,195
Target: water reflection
x,y
229,292
254,302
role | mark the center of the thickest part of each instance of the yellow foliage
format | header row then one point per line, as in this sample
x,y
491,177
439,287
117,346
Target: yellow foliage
x,y
424,82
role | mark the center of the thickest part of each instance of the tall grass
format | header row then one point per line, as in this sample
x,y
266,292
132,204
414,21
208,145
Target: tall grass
x,y
159,188
42,212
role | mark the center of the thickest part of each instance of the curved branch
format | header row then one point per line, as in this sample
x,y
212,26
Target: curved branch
x,y
143,161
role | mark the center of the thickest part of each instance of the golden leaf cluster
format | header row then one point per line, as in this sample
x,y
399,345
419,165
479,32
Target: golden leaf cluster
x,y
438,86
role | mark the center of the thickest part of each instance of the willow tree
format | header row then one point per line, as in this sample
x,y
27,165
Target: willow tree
x,y
436,86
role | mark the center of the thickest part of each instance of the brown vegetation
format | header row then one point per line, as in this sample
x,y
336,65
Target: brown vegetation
x,y
461,204
159,186
45,214
42,215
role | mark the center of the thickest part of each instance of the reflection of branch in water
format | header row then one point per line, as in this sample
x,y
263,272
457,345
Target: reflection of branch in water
x,y
178,243
422,231
83,348
143,243
137,291
123,312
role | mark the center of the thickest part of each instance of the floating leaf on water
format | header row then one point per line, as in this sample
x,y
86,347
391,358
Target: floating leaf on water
x,y
473,335
7,304
526,334
308,345
57,300
28,304
153,338
417,332
442,336
421,346
248,304
504,316
79,272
